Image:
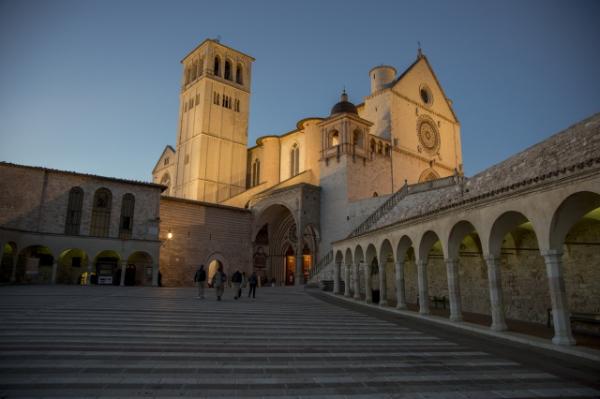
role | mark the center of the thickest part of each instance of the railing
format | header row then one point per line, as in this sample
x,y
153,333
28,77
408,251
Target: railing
x,y
324,261
379,212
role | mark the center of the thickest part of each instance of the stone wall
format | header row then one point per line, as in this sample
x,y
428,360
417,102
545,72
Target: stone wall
x,y
202,232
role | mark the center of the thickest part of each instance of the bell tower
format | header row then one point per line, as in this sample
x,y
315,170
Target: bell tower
x,y
212,135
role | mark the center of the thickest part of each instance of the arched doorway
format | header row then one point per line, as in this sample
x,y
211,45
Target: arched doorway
x,y
213,266
7,262
106,269
290,266
139,269
34,265
72,265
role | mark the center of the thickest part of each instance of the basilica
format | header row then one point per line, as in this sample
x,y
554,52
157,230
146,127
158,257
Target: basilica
x,y
367,199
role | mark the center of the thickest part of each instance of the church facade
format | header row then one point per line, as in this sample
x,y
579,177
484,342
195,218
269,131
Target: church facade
x,y
312,185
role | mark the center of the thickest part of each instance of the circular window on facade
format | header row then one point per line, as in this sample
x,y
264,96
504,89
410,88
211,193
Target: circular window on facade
x,y
426,95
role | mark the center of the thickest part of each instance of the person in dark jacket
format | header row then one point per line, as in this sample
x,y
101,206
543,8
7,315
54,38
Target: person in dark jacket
x,y
236,279
253,281
200,279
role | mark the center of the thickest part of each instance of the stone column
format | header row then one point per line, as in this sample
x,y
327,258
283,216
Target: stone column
x,y
400,293
13,268
54,271
123,269
382,286
357,281
558,295
299,277
454,289
336,278
496,297
368,292
347,281
423,287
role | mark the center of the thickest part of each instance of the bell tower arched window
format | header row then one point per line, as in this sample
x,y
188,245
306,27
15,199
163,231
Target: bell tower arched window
x,y
100,225
217,66
294,160
227,74
73,222
334,138
239,74
357,138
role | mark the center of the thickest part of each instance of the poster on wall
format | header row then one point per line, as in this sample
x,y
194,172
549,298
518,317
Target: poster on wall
x,y
32,267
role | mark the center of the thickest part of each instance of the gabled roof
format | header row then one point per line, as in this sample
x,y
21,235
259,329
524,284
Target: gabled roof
x,y
403,74
168,147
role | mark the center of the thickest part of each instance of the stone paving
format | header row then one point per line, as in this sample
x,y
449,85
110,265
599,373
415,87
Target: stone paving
x,y
128,341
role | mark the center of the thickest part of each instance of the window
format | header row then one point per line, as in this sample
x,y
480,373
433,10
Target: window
x,y
188,75
166,161
74,206
101,213
357,138
197,99
227,70
237,105
194,70
239,74
334,138
294,160
126,223
255,173
216,99
217,66
200,67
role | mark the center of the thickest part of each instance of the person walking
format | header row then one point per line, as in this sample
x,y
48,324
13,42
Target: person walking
x,y
200,279
244,283
253,281
236,279
218,281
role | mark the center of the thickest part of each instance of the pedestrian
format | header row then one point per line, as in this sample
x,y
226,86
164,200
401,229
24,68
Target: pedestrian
x,y
218,281
253,281
244,283
236,279
200,279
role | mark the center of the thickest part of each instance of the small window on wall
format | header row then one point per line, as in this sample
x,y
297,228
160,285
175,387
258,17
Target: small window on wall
x,y
74,206
126,223
166,162
239,74
255,173
294,160
227,74
334,138
200,66
217,66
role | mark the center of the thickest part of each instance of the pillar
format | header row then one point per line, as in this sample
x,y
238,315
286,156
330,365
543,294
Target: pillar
x,y
347,281
382,286
54,271
496,297
454,289
13,267
400,293
299,277
123,269
336,277
558,295
423,287
368,292
357,281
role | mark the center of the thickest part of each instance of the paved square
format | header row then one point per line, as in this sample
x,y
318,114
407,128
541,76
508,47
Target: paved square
x,y
64,341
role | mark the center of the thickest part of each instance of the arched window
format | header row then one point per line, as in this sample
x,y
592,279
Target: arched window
x,y
217,67
294,160
100,225
357,138
194,70
200,67
73,221
255,173
126,223
188,74
239,74
334,138
166,181
227,70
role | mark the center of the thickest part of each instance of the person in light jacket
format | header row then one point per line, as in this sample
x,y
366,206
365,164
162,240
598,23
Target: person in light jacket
x,y
218,281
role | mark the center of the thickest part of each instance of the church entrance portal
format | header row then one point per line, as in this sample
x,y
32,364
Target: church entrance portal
x,y
213,266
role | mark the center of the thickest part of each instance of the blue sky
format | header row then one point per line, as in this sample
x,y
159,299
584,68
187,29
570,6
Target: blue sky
x,y
92,86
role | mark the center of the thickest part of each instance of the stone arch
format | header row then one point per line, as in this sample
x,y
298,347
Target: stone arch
x,y
456,236
426,243
72,266
34,264
387,272
217,66
428,174
348,265
8,262
107,268
140,264
213,259
405,272
431,270
569,212
359,283
371,273
239,74
338,260
503,225
227,70
333,138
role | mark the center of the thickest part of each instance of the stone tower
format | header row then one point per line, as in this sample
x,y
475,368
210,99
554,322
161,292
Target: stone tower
x,y
213,123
